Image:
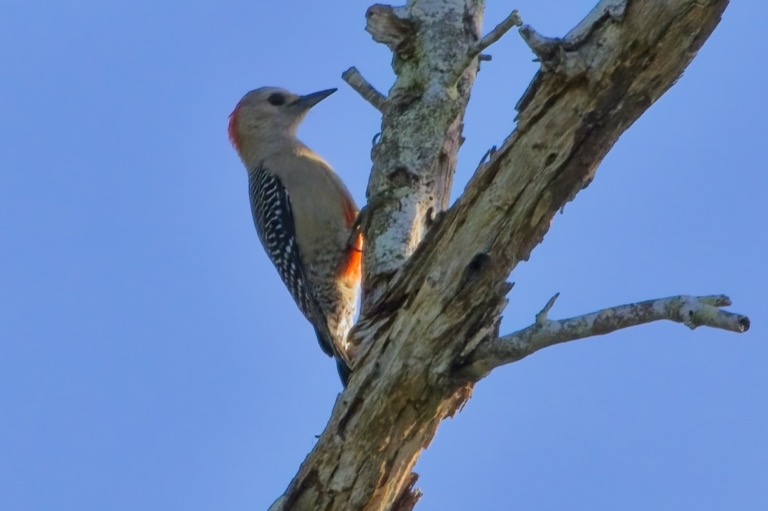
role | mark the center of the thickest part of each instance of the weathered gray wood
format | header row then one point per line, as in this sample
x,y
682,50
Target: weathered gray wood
x,y
436,282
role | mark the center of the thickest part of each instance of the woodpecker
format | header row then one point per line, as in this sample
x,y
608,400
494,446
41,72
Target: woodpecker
x,y
303,212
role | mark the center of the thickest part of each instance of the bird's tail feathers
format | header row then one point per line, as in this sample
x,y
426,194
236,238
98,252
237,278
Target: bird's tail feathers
x,y
331,349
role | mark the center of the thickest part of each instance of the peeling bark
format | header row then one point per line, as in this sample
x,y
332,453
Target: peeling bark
x,y
435,280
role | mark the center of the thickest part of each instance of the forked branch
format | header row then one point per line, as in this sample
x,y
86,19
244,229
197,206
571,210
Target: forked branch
x,y
691,311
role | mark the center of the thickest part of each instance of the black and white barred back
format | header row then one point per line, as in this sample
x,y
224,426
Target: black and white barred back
x,y
273,217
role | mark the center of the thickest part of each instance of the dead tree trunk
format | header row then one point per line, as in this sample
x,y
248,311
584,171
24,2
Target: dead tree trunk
x,y
436,278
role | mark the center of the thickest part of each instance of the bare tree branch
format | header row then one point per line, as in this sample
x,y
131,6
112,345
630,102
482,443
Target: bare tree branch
x,y
691,311
513,20
369,93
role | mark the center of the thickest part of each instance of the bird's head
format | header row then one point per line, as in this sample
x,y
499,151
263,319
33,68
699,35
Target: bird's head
x,y
269,112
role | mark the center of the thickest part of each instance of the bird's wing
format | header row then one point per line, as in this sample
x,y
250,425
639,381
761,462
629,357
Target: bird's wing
x,y
273,216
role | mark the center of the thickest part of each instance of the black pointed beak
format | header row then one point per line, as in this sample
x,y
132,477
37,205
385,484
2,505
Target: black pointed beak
x,y
310,100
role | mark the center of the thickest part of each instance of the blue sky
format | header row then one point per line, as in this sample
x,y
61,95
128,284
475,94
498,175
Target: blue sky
x,y
150,358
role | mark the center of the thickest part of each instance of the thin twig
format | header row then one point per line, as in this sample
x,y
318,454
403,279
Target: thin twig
x,y
541,317
513,20
369,93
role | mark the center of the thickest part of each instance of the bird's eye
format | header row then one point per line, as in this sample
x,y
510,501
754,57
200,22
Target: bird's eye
x,y
276,99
